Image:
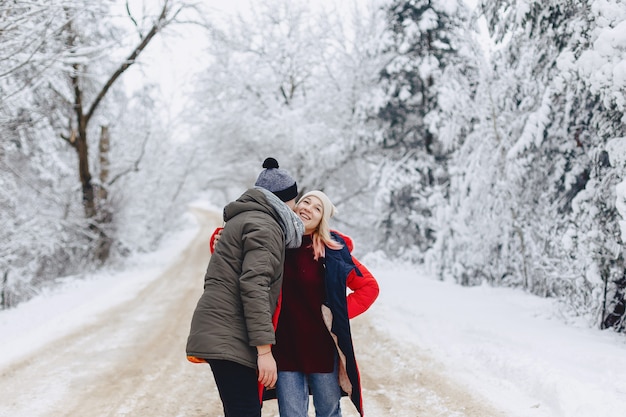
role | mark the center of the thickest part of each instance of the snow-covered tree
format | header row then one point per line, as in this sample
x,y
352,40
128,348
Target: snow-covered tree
x,y
60,103
292,81
429,51
533,201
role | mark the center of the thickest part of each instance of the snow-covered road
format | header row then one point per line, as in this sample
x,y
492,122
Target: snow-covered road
x,y
113,345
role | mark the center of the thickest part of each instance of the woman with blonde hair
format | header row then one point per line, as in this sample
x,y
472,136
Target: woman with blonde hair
x,y
314,351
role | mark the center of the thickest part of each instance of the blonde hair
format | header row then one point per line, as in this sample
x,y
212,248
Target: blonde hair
x,y
321,236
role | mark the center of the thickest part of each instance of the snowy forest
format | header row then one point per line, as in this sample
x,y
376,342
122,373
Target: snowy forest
x,y
485,140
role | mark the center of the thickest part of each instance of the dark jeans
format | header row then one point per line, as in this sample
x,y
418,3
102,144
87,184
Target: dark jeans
x,y
237,385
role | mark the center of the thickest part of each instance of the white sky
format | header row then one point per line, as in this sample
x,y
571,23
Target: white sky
x,y
501,343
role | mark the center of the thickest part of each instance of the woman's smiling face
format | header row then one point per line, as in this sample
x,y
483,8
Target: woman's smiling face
x,y
310,210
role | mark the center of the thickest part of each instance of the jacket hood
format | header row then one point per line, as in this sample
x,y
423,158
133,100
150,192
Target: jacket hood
x,y
347,239
251,200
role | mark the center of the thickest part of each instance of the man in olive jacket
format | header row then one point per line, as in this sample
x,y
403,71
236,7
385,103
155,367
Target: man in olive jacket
x,y
231,328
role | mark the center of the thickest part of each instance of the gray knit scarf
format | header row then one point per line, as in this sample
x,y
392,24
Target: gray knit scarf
x,y
290,223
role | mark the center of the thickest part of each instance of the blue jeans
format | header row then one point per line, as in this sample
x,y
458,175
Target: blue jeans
x,y
292,391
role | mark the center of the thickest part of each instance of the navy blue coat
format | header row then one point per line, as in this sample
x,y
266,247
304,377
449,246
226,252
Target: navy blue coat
x,y
339,265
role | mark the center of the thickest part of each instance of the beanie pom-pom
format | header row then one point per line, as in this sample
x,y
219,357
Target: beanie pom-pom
x,y
270,163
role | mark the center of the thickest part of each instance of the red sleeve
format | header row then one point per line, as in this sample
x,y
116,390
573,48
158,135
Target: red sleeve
x,y
212,240
364,290
279,305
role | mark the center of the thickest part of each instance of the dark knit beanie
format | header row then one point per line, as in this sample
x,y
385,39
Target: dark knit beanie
x,y
277,180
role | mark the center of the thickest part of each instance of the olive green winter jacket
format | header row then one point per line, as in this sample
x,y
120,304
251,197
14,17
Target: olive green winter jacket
x,y
241,285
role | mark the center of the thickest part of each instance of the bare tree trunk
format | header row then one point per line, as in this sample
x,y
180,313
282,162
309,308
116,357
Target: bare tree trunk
x,y
520,233
105,143
616,318
79,141
5,291
104,217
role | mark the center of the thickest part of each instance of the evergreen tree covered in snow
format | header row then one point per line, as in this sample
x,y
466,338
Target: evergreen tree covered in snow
x,y
428,55
533,199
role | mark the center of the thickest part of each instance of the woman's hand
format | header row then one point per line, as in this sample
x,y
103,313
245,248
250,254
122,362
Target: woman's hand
x,y
215,237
